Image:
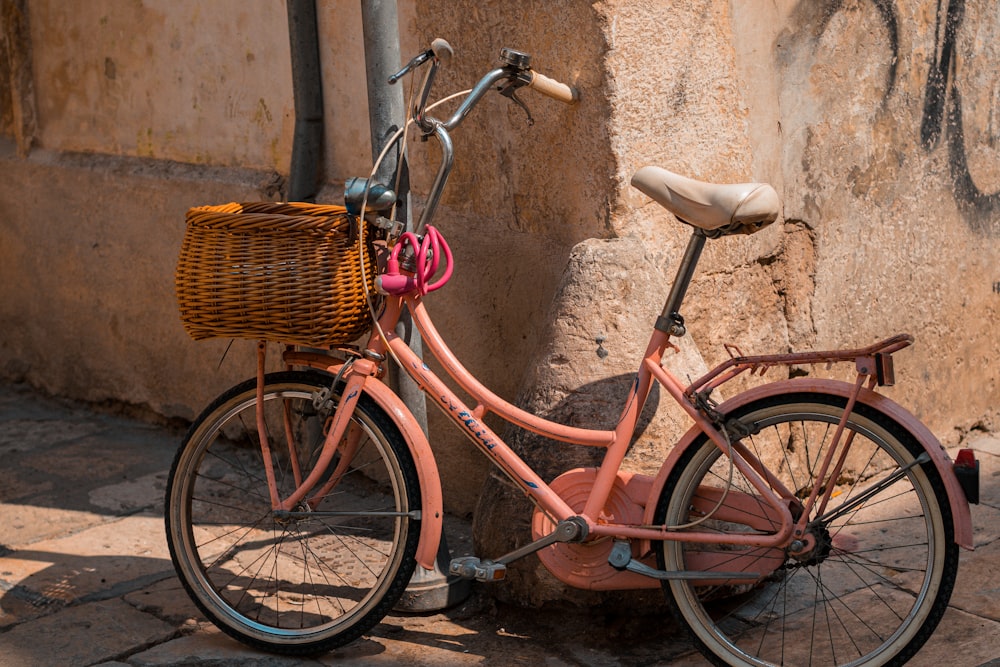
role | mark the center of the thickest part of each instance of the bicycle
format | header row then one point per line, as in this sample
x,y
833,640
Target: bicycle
x,y
801,520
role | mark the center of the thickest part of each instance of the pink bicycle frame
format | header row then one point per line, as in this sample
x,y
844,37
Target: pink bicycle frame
x,y
362,376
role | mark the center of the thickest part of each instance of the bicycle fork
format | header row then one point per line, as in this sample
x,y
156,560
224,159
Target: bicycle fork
x,y
339,435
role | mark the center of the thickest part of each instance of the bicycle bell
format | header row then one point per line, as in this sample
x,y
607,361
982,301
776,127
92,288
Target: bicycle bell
x,y
516,59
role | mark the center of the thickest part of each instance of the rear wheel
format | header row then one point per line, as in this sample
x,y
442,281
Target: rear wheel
x,y
321,577
866,585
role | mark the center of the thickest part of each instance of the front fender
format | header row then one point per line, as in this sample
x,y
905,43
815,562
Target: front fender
x,y
432,501
432,512
961,515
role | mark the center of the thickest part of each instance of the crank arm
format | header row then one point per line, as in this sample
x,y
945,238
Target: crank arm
x,y
570,530
573,529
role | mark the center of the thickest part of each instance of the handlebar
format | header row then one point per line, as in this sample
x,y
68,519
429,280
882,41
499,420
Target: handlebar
x,y
514,73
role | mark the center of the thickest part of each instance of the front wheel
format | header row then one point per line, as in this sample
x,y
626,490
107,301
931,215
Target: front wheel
x,y
867,583
307,581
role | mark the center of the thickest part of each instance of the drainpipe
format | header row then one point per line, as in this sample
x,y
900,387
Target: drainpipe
x,y
429,590
307,89
15,42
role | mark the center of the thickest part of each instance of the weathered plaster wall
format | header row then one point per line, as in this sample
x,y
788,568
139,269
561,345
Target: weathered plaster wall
x,y
88,251
18,117
185,81
890,158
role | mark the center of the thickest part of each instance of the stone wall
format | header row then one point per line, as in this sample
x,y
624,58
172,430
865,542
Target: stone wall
x,y
890,158
875,121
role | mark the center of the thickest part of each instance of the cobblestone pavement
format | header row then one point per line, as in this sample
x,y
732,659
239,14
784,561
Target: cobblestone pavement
x,y
86,579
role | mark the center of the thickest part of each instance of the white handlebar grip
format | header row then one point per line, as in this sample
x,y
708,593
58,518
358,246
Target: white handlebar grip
x,y
554,89
442,50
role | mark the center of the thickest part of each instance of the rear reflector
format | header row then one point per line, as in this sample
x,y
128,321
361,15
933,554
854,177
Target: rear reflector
x,y
967,471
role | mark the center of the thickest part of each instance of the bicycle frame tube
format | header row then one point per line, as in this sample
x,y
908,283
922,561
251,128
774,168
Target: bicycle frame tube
x,y
468,420
487,400
616,442
747,464
338,428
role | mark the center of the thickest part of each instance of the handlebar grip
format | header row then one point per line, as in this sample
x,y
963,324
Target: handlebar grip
x,y
442,50
554,89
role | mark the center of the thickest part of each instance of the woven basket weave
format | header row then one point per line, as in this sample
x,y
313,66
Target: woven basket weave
x,y
287,272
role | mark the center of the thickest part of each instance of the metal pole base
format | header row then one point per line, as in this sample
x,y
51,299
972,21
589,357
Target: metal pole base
x,y
433,590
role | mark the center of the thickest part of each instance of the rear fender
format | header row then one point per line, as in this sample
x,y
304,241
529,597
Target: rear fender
x,y
961,515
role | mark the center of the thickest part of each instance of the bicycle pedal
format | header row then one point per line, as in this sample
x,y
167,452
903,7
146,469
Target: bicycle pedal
x,y
470,567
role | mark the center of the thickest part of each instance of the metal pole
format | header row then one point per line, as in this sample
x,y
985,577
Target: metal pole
x,y
429,589
307,89
386,111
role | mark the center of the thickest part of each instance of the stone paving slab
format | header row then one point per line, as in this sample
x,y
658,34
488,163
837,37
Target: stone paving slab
x,y
85,576
82,635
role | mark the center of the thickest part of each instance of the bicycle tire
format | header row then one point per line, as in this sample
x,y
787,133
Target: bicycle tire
x,y
295,586
878,579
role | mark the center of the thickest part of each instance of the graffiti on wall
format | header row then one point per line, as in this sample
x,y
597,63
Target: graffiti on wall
x,y
941,121
943,116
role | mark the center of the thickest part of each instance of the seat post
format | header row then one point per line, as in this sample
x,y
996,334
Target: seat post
x,y
670,321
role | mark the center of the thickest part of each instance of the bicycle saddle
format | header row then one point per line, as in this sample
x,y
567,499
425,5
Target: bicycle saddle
x,y
718,210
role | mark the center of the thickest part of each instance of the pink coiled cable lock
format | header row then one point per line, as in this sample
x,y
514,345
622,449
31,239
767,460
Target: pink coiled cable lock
x,y
428,253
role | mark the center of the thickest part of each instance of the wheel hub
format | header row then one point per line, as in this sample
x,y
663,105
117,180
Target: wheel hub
x,y
284,518
813,547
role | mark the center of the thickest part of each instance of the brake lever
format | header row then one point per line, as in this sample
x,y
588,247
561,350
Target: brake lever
x,y
415,62
440,49
510,92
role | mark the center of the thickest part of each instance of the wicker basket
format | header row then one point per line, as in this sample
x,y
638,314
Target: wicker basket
x,y
273,271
